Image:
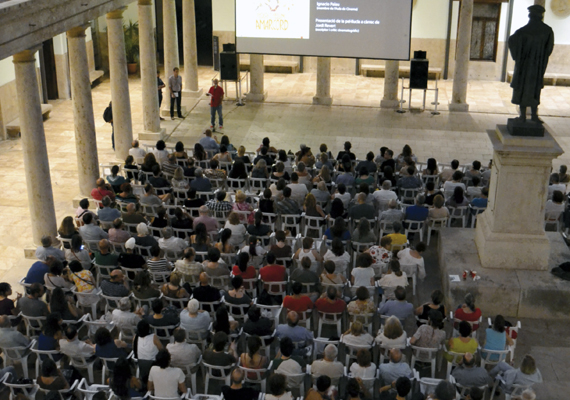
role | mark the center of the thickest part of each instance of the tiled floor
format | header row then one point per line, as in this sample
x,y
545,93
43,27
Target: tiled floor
x,y
289,119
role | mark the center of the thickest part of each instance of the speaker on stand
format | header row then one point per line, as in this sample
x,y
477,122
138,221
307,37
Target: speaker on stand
x,y
419,67
229,66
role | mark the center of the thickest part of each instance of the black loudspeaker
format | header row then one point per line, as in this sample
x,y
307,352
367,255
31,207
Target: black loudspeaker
x,y
419,74
229,47
229,66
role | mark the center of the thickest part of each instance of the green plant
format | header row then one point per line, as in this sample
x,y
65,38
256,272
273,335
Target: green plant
x,y
131,41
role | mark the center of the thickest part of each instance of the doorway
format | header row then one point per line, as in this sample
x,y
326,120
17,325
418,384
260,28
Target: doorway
x,y
49,69
204,32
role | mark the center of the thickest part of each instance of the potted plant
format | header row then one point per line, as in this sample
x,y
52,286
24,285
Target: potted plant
x,y
132,45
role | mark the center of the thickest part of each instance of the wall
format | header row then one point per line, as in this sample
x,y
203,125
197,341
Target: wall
x,y
62,66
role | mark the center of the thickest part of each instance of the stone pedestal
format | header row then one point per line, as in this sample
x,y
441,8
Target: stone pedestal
x,y
257,86
462,56
85,137
151,116
122,120
191,88
323,96
34,150
391,76
510,233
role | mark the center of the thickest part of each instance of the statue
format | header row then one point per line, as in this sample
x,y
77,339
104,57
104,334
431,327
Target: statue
x,y
530,47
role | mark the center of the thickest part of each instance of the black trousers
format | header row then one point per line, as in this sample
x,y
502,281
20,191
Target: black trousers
x,y
159,98
177,100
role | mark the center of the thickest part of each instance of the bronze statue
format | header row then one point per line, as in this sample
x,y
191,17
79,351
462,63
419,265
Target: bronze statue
x,y
530,47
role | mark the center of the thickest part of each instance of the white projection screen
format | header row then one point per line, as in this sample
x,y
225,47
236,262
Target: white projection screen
x,y
375,29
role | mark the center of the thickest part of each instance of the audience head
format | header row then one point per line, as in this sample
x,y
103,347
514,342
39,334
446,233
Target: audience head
x,y
162,359
49,368
468,360
400,293
477,394
277,384
331,292
393,328
286,346
323,383
454,164
364,260
395,356
403,386
528,365
445,391
84,204
397,227
362,293
364,358
527,394
469,301
329,266
356,328
219,341
193,306
353,388
457,176
465,329
435,319
330,352
292,318
437,297
306,263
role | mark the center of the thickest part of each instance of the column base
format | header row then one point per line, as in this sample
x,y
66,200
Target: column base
x,y
499,250
165,112
256,97
389,103
152,136
461,107
30,252
322,101
92,202
192,93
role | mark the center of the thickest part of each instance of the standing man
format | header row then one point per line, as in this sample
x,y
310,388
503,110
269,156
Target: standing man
x,y
161,86
175,87
217,94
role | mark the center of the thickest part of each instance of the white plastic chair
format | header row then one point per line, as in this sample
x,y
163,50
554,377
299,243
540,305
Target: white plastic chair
x,y
458,213
191,370
223,376
414,227
199,338
260,375
330,319
88,391
428,385
84,363
48,353
19,354
424,354
29,390
436,224
33,325
475,211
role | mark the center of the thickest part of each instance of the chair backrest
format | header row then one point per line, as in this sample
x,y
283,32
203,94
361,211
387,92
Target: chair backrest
x,y
276,288
16,353
209,306
29,390
258,374
118,247
33,324
438,223
428,385
179,303
424,353
222,371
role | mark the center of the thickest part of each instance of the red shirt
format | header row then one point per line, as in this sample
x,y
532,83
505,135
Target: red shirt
x,y
301,304
272,273
99,193
469,317
324,305
248,274
217,94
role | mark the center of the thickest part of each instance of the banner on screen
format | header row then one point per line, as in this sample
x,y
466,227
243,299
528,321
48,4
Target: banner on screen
x,y
376,29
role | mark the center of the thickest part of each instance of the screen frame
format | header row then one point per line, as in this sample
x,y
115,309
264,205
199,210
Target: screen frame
x,y
330,56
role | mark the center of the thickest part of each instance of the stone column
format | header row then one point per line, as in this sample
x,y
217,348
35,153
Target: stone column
x,y
36,163
257,69
323,96
122,121
191,88
85,137
391,76
510,232
462,56
540,3
151,112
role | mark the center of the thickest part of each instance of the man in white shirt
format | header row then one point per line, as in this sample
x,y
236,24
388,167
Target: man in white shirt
x,y
170,242
384,195
136,151
392,213
72,347
164,380
182,353
449,186
298,190
328,366
287,365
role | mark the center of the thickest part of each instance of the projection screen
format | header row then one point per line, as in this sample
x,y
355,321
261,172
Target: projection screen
x,y
375,29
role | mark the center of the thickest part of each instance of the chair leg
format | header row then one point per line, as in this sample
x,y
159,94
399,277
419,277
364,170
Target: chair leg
x,y
24,362
318,331
103,375
90,373
429,235
193,381
433,362
207,383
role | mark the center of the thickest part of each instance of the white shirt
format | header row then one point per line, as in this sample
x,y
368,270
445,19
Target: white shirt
x,y
391,280
166,381
383,197
406,259
76,348
474,191
125,318
182,354
161,156
284,396
147,350
449,188
173,243
558,186
341,262
364,339
552,207
362,276
386,342
364,372
346,197
238,233
290,367
298,192
137,152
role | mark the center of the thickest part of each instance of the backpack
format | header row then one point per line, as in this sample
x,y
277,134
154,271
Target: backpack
x,y
108,114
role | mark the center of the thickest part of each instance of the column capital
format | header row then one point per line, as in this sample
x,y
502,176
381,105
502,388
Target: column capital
x,y
25,55
145,2
116,14
78,31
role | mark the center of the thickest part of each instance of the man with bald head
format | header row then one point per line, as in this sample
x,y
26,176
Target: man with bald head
x,y
103,189
298,334
136,151
395,368
104,255
467,374
116,286
236,391
132,216
205,218
205,292
170,242
361,208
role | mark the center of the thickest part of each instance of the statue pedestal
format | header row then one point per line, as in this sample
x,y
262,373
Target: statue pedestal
x,y
516,127
510,232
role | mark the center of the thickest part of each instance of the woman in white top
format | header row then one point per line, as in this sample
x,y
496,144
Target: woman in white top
x,y
308,251
356,336
363,274
146,346
338,255
413,258
393,334
238,229
160,153
394,277
364,368
278,388
554,206
255,251
178,181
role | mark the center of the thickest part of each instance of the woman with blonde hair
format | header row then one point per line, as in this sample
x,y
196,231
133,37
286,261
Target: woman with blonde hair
x,y
238,229
393,333
526,375
323,176
241,155
173,289
311,208
260,170
178,181
67,230
438,210
241,205
357,336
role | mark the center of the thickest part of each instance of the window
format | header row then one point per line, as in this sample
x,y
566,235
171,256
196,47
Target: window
x,y
485,31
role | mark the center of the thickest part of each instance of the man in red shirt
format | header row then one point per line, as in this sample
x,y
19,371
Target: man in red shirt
x,y
217,94
330,304
272,272
102,190
298,302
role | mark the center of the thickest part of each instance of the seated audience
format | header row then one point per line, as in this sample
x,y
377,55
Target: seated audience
x,y
181,352
462,344
395,369
393,334
192,319
399,308
166,381
356,336
46,250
